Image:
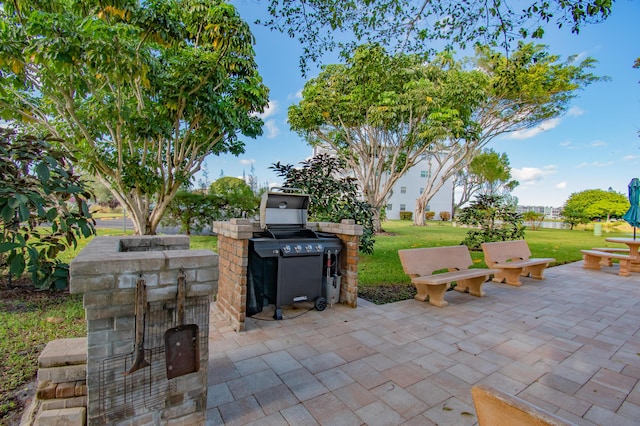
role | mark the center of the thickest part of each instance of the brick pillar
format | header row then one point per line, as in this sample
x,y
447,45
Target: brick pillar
x,y
233,249
349,233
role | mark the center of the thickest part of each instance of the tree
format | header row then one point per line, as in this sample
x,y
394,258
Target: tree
x,y
595,204
381,114
139,92
235,198
191,211
488,173
333,196
43,209
574,215
534,219
410,25
497,219
523,90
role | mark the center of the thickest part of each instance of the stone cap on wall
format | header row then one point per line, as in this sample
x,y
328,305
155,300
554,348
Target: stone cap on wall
x,y
238,229
243,229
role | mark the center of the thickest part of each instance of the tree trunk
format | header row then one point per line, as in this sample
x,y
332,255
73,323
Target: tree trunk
x,y
418,213
377,224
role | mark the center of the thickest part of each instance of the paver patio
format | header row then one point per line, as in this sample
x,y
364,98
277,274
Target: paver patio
x,y
569,344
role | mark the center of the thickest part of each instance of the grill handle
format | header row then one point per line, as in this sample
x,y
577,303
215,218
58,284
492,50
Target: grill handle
x,y
284,189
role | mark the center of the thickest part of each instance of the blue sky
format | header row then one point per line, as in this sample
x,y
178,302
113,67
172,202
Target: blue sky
x,y
594,145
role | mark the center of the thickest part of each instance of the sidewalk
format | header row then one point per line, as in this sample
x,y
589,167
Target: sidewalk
x,y
569,344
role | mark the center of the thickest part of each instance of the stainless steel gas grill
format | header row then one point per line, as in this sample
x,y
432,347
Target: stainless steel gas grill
x,y
288,261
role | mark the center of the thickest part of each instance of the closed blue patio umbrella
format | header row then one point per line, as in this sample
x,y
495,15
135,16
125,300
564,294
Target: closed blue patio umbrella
x,y
632,216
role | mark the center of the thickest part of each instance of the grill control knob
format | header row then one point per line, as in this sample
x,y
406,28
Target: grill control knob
x,y
308,248
286,248
297,248
319,247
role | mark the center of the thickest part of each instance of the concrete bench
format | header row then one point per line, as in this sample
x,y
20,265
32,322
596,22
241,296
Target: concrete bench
x,y
513,260
607,261
421,263
595,259
496,408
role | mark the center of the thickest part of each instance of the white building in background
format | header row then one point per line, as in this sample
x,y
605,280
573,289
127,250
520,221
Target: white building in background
x,y
409,187
548,211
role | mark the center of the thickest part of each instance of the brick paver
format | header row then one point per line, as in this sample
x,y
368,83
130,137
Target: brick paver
x,y
567,344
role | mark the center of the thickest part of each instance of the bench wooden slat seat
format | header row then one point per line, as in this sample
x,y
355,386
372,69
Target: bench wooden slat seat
x,y
595,259
421,263
513,260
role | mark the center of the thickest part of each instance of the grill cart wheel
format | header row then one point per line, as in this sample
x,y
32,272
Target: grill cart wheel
x,y
321,303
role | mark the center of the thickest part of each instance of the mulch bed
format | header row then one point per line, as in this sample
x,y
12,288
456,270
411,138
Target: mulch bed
x,y
387,293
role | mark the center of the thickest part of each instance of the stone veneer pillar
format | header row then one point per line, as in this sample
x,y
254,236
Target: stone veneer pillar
x,y
233,248
105,272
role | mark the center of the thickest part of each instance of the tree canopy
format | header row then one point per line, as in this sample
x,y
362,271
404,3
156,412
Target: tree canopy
x,y
488,173
521,91
595,204
410,25
139,92
383,113
235,198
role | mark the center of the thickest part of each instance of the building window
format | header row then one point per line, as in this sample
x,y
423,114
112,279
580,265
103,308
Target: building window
x,y
389,206
423,173
421,191
403,207
403,189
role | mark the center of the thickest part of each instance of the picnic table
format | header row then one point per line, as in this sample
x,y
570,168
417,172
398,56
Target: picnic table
x,y
634,245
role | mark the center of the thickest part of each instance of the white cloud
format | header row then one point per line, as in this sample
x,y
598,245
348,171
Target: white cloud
x,y
297,95
598,143
594,164
272,129
565,143
271,109
247,162
575,111
631,157
530,133
561,185
529,175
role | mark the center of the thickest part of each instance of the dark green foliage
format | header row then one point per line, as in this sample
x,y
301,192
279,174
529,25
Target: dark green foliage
x,y
333,196
234,198
591,204
191,210
498,221
406,215
39,187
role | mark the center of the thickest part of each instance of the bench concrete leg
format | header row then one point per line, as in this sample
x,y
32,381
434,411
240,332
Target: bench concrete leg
x,y
472,286
591,262
433,293
625,267
511,276
534,271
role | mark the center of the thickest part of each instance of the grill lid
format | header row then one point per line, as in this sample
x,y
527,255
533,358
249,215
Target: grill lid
x,y
280,209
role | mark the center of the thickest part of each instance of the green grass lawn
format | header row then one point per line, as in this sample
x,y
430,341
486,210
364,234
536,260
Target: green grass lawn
x,y
383,266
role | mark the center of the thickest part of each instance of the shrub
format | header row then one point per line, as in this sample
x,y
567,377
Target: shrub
x,y
406,215
497,219
333,195
429,215
39,186
445,216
